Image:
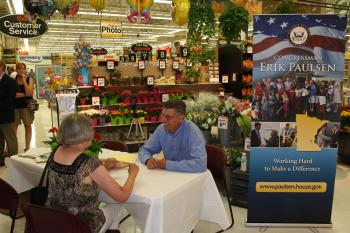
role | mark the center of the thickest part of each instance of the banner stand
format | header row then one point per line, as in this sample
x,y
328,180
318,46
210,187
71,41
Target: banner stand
x,y
300,225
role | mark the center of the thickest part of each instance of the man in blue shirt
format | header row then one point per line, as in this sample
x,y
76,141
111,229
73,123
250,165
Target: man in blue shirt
x,y
180,140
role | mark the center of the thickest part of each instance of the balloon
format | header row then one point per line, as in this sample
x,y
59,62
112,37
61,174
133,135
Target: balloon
x,y
180,14
140,9
48,8
68,7
98,5
33,7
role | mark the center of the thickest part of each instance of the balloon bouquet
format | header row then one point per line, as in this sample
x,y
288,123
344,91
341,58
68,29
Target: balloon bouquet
x,y
83,60
45,8
140,8
180,13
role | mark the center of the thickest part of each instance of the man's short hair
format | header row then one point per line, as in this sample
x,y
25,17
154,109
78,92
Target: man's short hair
x,y
178,105
74,129
257,124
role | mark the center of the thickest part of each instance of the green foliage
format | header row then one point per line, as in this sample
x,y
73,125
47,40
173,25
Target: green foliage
x,y
203,55
232,21
93,151
192,75
283,7
201,22
244,122
234,155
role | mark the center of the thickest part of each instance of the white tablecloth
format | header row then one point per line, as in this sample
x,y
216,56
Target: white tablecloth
x,y
161,201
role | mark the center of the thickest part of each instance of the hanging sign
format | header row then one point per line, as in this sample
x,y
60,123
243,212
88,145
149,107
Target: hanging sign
x,y
161,54
111,29
184,52
132,57
144,56
98,51
162,64
175,65
141,65
141,47
19,26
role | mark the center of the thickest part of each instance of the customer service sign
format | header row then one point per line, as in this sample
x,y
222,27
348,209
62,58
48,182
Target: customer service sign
x,y
297,79
20,26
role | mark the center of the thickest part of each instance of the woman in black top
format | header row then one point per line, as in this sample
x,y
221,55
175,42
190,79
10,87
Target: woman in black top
x,y
25,89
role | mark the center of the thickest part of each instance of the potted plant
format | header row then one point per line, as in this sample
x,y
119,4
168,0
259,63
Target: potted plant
x,y
233,20
192,75
234,155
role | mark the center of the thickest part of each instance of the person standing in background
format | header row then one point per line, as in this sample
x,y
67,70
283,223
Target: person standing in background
x,y
7,114
25,89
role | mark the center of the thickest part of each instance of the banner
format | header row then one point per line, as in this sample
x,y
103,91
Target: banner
x,y
111,29
297,79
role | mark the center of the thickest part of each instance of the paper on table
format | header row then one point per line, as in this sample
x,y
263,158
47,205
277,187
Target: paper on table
x,y
35,152
118,155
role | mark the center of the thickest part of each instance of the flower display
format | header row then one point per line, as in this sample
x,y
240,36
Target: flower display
x,y
247,79
228,107
345,119
204,120
141,113
247,65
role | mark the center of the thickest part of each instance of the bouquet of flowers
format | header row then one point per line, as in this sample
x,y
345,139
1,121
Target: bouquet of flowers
x,y
204,120
247,65
345,119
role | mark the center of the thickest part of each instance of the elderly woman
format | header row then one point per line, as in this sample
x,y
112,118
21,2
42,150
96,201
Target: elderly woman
x,y
75,179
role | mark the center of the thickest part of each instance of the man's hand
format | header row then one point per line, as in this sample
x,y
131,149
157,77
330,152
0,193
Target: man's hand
x,y
151,163
161,163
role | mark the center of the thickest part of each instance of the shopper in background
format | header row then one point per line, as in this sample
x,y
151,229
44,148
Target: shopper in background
x,y
180,140
25,90
7,114
75,179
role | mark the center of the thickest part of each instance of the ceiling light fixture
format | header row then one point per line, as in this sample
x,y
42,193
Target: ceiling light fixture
x,y
9,6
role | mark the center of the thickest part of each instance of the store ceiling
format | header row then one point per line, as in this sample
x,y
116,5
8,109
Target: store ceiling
x,y
64,32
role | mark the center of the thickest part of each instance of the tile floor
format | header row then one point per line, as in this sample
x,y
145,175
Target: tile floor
x,y
341,206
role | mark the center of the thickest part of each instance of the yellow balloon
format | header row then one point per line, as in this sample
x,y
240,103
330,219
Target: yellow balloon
x,y
180,14
98,5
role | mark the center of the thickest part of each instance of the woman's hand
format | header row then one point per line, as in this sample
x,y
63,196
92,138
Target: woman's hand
x,y
112,163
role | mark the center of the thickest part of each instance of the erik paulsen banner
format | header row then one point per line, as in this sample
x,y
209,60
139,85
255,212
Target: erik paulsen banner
x,y
19,26
297,78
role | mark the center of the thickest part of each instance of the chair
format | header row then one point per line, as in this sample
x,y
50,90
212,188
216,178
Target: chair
x,y
42,219
9,199
216,161
115,145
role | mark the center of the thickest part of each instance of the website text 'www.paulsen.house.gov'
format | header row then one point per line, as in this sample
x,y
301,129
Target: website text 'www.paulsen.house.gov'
x,y
291,187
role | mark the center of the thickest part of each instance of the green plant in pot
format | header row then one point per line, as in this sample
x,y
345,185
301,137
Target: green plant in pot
x,y
233,20
202,55
192,75
234,155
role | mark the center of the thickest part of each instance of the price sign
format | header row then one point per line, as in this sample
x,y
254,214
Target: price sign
x,y
222,93
110,65
132,57
224,79
141,65
184,52
150,80
144,56
101,81
95,100
247,144
189,63
165,97
161,54
94,81
175,65
162,64
223,122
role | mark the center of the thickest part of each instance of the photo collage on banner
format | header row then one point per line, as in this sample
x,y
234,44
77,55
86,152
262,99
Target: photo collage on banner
x,y
297,97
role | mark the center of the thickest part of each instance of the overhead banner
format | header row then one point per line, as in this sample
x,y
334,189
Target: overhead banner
x,y
297,78
111,29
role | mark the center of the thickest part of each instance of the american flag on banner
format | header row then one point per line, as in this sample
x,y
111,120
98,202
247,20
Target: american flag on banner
x,y
321,52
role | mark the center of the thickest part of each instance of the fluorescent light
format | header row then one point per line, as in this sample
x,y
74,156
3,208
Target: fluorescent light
x,y
163,1
9,6
26,44
118,15
18,4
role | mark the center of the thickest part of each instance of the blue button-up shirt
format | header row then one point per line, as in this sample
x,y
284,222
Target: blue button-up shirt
x,y
184,150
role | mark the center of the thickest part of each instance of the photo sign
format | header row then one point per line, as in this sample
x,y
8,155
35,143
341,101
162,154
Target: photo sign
x,y
19,26
111,29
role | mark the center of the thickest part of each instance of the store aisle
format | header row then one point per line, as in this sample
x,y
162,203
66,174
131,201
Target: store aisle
x,y
341,206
